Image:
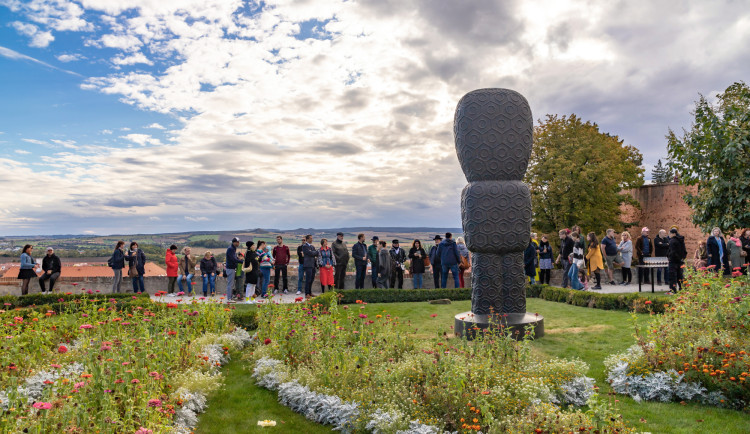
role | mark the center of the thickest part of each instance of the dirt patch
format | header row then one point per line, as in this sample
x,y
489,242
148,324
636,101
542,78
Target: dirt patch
x,y
577,330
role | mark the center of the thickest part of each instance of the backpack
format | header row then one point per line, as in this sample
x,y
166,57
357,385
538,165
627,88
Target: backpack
x,y
111,261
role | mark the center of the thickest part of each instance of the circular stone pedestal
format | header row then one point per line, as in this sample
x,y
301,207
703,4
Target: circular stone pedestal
x,y
469,324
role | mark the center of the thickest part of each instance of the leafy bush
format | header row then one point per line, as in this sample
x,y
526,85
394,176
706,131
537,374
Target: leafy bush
x,y
380,295
629,302
698,348
247,319
11,301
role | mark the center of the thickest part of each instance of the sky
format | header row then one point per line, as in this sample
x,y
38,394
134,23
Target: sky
x,y
148,116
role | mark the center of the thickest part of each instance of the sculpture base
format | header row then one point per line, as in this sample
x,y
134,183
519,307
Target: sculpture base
x,y
469,325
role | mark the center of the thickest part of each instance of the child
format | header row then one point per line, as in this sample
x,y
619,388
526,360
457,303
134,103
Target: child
x,y
583,278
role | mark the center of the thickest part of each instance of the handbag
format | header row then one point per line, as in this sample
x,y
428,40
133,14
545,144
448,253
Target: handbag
x,y
426,262
132,271
464,263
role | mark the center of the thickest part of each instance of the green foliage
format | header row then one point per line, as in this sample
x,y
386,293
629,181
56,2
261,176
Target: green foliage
x,y
378,295
661,174
714,155
247,319
629,302
577,175
12,301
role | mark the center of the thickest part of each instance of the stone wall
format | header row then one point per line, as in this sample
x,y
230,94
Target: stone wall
x,y
661,207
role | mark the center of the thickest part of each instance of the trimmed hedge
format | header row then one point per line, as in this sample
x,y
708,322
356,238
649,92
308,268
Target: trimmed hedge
x,y
247,319
380,295
628,302
13,301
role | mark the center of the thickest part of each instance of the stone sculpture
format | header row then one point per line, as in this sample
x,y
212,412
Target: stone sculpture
x,y
493,132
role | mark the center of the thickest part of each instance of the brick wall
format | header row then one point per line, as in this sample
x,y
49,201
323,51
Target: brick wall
x,y
661,207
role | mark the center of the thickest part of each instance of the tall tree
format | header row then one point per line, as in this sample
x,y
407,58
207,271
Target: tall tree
x,y
715,156
577,175
661,174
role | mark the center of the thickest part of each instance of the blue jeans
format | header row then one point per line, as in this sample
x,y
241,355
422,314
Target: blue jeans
x,y
359,279
188,281
138,282
266,274
374,274
453,269
418,280
300,278
209,280
666,275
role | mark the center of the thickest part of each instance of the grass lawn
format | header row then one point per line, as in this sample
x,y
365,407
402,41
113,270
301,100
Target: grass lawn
x,y
589,334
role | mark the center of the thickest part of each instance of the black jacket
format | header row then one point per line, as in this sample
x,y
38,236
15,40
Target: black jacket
x,y
208,266
139,260
746,247
399,257
542,253
719,262
118,260
566,247
417,264
51,263
359,251
310,255
677,251
529,260
251,257
661,246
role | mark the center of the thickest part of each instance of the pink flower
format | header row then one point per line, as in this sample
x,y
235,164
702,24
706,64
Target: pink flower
x,y
361,315
135,381
143,430
42,405
62,349
86,327
85,315
154,403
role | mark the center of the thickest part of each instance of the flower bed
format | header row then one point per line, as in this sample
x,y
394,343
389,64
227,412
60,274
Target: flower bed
x,y
697,350
107,365
365,373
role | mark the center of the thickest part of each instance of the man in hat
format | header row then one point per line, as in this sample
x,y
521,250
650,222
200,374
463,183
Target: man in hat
x,y
644,248
359,252
437,268
341,254
51,268
372,254
398,257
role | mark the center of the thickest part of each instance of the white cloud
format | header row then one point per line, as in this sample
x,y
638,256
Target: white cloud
x,y
12,54
106,132
65,58
131,60
196,219
156,126
142,139
35,141
22,152
39,38
69,144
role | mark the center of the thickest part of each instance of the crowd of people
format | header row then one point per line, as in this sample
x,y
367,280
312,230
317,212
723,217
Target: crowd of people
x,y
248,273
581,260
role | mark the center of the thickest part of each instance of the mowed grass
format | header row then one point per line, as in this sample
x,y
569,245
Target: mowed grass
x,y
589,334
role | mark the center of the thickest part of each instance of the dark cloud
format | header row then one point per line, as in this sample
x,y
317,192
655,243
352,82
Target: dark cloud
x,y
337,148
354,99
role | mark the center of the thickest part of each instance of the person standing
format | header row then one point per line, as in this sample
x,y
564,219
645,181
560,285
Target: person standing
x,y
51,269
566,249
465,263
137,264
734,247
437,268
625,249
265,259
186,271
300,267
700,257
661,247
208,272
718,256
117,262
535,240
384,266
529,261
644,248
545,261
239,277
609,251
417,268
398,257
327,265
172,262
341,254
232,262
251,269
745,241
576,261
449,260
676,256
359,252
594,257
281,257
311,257
26,273
372,254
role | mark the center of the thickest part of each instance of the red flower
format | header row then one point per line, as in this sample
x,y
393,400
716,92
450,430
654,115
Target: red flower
x,y
298,300
267,341
62,349
433,315
648,301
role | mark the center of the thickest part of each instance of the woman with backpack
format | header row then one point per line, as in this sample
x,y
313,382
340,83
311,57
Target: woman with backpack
x,y
250,268
117,263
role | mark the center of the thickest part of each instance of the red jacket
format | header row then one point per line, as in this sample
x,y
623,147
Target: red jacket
x,y
171,260
281,255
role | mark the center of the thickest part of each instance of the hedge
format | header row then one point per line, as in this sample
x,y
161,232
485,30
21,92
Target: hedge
x,y
628,302
13,301
380,295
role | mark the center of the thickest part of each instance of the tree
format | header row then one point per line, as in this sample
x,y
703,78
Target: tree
x,y
661,174
577,175
715,156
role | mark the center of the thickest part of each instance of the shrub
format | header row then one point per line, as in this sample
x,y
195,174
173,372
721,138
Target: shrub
x,y
630,302
247,319
380,295
11,301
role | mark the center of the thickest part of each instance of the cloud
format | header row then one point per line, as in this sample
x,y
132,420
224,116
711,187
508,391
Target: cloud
x,y
12,54
65,58
131,60
142,139
106,132
22,152
196,219
35,141
155,126
39,38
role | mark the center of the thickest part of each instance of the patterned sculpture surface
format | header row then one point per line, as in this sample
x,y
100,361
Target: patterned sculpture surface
x,y
493,131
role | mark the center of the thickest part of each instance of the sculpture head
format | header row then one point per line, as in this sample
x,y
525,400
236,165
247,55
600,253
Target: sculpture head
x,y
493,130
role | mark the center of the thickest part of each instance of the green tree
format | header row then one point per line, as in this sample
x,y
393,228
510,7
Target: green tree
x,y
715,156
577,175
661,174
